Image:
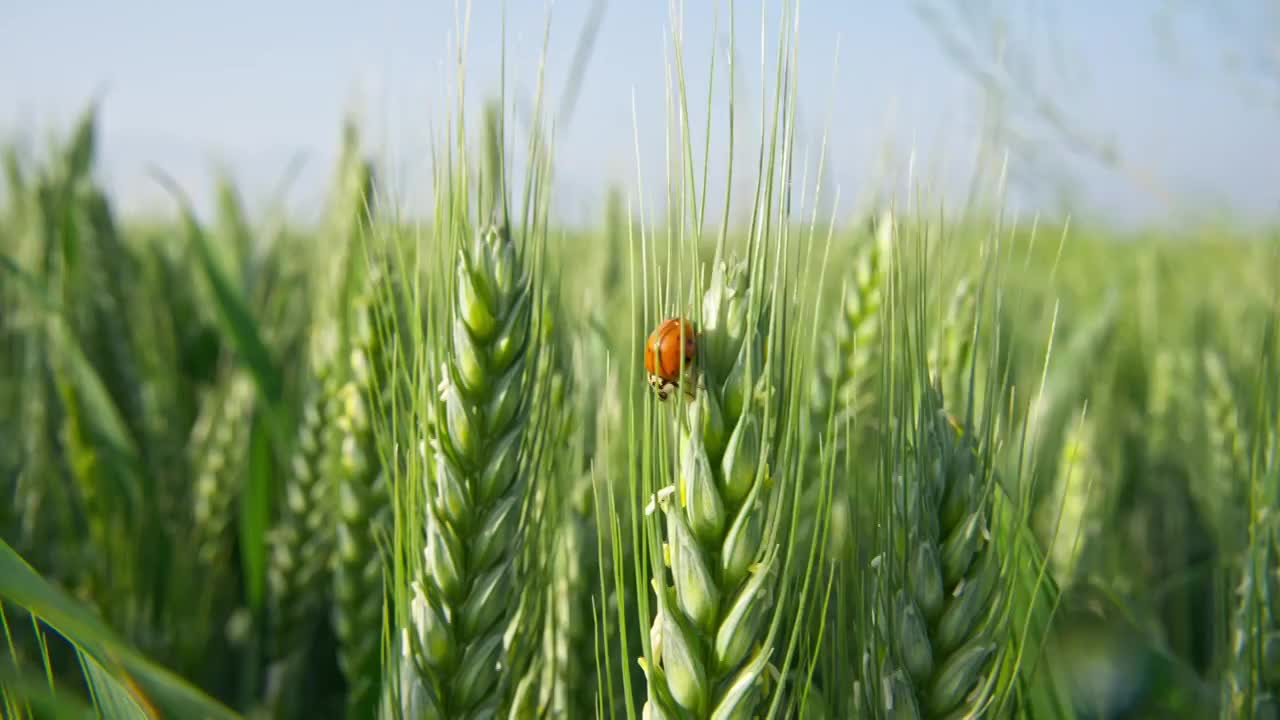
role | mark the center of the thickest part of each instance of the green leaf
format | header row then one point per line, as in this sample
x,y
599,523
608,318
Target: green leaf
x,y
111,698
233,228
80,150
34,287
255,514
232,309
123,668
23,695
103,416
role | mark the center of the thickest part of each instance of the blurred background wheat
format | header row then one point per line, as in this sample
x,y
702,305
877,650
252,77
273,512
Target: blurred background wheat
x,y
351,420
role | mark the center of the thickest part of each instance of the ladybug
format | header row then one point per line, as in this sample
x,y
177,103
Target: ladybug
x,y
663,354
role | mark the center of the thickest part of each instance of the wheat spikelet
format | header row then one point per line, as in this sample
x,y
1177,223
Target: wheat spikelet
x,y
1221,495
937,601
842,383
1162,397
467,593
569,669
952,352
362,497
1252,687
301,542
557,676
219,445
1226,438
1072,514
1252,678
710,645
845,371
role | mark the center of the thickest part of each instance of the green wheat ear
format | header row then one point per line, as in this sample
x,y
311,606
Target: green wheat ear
x,y
711,640
1252,687
938,596
1220,495
1169,373
843,380
219,447
951,355
841,395
301,543
1074,512
569,674
467,592
562,673
361,495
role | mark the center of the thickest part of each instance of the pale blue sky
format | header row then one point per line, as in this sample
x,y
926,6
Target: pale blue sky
x,y
188,86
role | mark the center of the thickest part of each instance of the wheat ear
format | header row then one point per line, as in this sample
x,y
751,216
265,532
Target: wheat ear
x,y
711,643
938,601
1221,495
219,445
361,499
301,542
467,594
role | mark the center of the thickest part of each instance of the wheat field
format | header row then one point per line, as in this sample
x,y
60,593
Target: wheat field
x,y
919,465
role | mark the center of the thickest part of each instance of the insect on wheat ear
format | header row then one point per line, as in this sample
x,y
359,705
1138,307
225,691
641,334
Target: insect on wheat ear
x,y
669,355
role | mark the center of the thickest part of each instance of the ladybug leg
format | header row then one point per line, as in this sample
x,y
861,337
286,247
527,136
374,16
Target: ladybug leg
x,y
660,386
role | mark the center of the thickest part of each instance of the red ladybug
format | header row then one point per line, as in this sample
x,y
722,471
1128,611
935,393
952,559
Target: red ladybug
x,y
663,354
